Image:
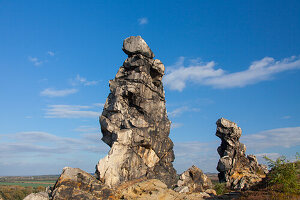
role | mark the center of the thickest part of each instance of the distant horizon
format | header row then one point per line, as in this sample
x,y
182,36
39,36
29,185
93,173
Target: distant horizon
x,y
231,59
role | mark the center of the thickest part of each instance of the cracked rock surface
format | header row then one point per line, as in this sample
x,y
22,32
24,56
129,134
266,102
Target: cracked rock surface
x,y
235,168
134,121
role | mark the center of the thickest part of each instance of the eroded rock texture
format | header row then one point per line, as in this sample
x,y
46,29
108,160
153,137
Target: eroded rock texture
x,y
193,179
236,169
134,121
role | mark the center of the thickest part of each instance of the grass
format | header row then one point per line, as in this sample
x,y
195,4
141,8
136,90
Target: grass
x,y
17,192
29,183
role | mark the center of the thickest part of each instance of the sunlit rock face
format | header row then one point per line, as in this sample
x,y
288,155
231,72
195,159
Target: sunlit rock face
x,y
134,121
236,169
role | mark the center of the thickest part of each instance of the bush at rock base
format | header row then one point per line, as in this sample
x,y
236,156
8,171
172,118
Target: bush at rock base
x,y
220,188
284,175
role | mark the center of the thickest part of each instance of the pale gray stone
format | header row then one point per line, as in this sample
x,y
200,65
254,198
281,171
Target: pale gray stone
x,y
37,196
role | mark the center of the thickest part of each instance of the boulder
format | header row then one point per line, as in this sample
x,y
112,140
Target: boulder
x,y
236,169
75,183
36,196
136,45
195,180
134,121
152,189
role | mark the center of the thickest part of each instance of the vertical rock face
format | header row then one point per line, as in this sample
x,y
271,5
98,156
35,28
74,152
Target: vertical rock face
x,y
134,121
237,170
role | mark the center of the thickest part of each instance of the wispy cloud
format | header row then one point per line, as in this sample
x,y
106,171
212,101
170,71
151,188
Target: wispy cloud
x,y
286,117
176,125
202,154
50,92
205,73
178,111
272,156
281,137
78,80
86,129
50,53
36,142
35,61
71,111
143,20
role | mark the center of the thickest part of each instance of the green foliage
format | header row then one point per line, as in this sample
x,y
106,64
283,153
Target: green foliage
x,y
220,188
16,192
284,175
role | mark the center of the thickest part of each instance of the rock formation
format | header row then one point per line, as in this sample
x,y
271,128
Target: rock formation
x,y
237,170
134,121
193,180
77,184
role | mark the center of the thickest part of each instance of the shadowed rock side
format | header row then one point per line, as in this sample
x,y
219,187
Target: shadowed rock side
x,y
134,121
236,169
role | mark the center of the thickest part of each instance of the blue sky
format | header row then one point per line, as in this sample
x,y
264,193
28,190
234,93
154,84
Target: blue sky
x,y
234,59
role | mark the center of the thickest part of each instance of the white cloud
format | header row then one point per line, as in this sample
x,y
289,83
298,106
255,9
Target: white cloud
x,y
99,104
50,92
281,137
202,154
86,129
143,20
36,142
50,53
178,111
176,125
82,81
35,61
205,73
71,111
272,156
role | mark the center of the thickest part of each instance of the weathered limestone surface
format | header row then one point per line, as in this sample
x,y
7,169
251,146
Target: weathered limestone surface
x,y
236,169
193,180
134,121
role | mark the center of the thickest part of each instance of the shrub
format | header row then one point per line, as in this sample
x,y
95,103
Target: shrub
x,y
284,175
220,188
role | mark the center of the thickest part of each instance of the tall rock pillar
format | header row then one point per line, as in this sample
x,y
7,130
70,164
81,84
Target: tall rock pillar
x,y
235,168
134,121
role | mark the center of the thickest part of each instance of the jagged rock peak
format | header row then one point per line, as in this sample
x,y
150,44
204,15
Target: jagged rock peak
x,y
235,168
134,121
136,45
